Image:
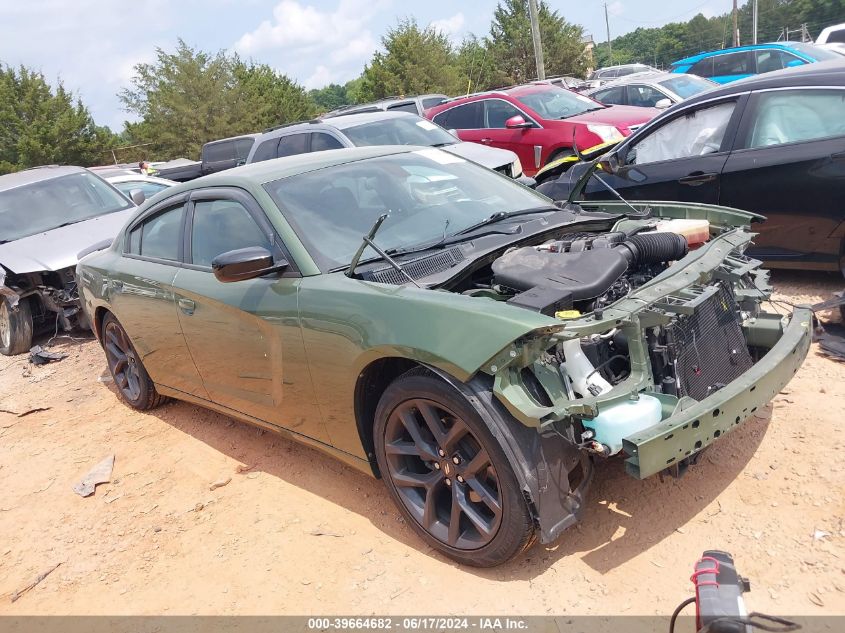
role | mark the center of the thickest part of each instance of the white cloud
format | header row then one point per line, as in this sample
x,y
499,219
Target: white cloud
x,y
452,25
300,33
615,8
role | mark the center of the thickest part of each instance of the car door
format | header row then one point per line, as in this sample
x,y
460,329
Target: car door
x,y
244,336
466,119
789,165
680,159
525,142
143,298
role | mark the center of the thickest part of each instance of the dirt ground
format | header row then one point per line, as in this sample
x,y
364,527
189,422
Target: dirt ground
x,y
296,532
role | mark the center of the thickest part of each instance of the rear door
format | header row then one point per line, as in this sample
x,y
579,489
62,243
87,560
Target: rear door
x,y
244,336
681,159
143,297
789,165
467,119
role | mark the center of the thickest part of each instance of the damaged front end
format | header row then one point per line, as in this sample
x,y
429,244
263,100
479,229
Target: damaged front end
x,y
658,373
38,301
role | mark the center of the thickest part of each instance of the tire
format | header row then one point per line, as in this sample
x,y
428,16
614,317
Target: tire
x,y
561,153
449,499
130,377
15,327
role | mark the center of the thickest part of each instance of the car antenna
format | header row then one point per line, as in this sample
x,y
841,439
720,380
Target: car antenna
x,y
593,173
368,241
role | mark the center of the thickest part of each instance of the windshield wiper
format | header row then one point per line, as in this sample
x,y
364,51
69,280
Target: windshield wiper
x,y
504,215
368,241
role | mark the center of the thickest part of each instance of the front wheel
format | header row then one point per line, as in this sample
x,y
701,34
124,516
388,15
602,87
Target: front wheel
x,y
15,327
447,473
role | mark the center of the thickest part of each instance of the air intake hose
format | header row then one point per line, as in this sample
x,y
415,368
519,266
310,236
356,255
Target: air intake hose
x,y
654,248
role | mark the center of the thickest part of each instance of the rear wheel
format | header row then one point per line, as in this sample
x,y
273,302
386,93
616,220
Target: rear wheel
x,y
132,380
15,327
447,473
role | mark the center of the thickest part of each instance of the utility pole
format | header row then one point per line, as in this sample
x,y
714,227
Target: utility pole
x,y
609,45
754,22
535,35
736,27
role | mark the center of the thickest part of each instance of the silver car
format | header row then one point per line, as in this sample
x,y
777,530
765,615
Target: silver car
x,y
651,89
376,128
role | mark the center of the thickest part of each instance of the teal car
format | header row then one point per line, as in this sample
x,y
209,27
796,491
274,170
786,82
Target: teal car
x,y
729,64
433,323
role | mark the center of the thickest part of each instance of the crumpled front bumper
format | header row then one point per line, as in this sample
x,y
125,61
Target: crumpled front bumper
x,y
690,428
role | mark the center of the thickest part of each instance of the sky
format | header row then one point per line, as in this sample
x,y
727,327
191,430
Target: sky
x,y
93,45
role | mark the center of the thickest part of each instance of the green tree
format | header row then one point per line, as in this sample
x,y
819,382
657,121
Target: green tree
x,y
416,60
329,97
476,67
40,125
189,97
511,47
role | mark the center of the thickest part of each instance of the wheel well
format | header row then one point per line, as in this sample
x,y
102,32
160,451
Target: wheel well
x,y
560,152
372,382
97,326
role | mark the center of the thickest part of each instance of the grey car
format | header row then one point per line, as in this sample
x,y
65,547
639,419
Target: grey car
x,y
47,216
651,89
376,128
415,104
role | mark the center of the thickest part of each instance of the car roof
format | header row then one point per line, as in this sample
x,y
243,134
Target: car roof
x,y
269,170
736,49
830,73
650,76
37,174
130,177
344,121
234,138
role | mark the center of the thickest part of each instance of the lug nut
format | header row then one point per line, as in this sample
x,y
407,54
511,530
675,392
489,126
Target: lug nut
x,y
437,465
448,482
456,460
460,479
441,452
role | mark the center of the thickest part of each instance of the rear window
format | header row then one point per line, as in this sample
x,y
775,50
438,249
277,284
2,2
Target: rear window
x,y
469,116
733,64
408,106
837,37
686,86
242,147
292,144
430,102
217,152
265,151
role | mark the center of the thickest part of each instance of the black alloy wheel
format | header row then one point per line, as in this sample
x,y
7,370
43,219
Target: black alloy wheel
x,y
131,378
448,474
444,476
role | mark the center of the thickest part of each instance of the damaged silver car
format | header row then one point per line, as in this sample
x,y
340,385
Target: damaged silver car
x,y
47,216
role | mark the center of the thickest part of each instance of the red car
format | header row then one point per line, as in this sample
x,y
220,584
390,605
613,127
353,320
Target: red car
x,y
537,121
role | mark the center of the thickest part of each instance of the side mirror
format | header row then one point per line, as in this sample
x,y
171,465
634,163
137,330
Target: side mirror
x,y
517,122
663,104
245,263
137,196
609,163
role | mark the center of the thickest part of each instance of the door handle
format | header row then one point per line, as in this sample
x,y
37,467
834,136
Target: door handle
x,y
187,306
698,178
487,141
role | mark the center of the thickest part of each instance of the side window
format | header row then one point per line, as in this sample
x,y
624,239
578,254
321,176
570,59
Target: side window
x,y
733,64
608,74
797,115
694,134
703,68
134,245
610,95
644,96
497,112
220,226
292,144
265,151
430,102
161,234
468,116
242,147
836,36
217,152
408,106
321,141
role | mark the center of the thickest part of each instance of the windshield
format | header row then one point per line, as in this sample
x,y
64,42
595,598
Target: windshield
x,y
49,204
686,86
427,193
406,130
816,52
558,103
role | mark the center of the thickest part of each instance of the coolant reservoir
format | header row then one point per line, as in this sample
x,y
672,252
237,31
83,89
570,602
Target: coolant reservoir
x,y
695,231
623,419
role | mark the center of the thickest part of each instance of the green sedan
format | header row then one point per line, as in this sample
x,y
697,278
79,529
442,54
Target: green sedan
x,y
440,326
